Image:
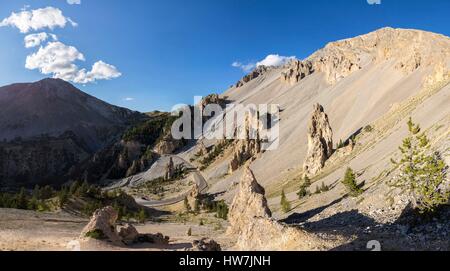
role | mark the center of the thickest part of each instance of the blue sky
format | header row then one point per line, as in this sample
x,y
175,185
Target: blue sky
x,y
168,51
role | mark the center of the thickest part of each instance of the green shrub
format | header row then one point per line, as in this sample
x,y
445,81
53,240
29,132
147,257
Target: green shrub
x,y
368,129
350,184
96,234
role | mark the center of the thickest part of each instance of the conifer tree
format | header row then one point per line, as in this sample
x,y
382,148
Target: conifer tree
x,y
350,183
285,205
422,174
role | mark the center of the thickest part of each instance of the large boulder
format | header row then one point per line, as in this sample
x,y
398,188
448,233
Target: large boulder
x,y
320,142
248,203
102,226
128,234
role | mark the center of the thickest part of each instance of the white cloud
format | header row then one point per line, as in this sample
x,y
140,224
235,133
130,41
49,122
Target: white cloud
x,y
57,59
270,60
37,19
34,40
244,67
74,2
128,99
100,71
275,60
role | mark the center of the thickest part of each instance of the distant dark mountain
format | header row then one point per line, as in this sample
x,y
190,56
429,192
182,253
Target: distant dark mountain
x,y
48,127
52,107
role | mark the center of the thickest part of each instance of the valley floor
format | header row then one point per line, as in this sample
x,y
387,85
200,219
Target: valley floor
x,y
31,231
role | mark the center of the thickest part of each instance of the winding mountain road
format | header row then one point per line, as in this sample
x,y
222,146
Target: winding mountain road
x,y
198,179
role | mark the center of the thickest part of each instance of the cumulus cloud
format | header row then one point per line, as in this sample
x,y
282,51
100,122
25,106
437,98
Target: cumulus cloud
x,y
100,71
57,59
274,60
74,2
244,67
36,39
28,20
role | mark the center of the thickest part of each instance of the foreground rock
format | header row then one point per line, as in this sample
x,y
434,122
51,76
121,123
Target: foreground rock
x,y
205,244
248,203
102,226
320,142
250,219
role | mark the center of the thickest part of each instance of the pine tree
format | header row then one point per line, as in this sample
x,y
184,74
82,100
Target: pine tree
x,y
285,205
74,187
302,192
422,174
350,183
324,188
142,216
63,196
306,181
21,199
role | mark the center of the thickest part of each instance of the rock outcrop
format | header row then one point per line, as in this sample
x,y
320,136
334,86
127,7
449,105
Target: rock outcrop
x,y
260,70
250,219
248,203
320,142
193,196
263,234
168,145
248,147
169,172
102,226
213,99
128,234
205,244
296,71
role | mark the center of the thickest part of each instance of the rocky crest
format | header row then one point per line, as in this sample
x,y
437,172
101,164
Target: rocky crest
x,y
260,70
320,142
212,99
408,50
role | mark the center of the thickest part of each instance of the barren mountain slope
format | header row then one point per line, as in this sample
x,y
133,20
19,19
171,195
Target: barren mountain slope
x,y
378,79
